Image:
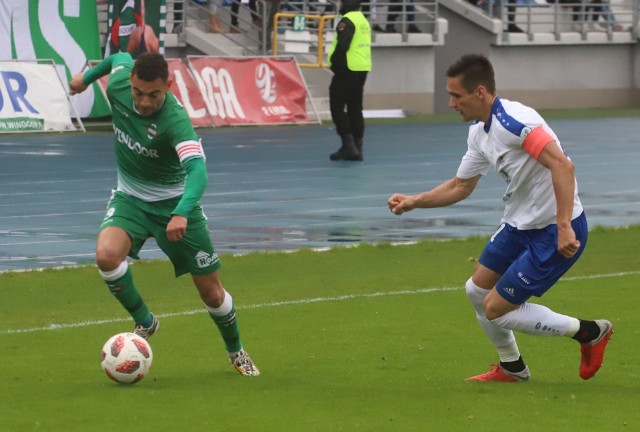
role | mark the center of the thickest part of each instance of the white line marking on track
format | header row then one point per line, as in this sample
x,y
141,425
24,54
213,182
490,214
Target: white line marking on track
x,y
292,303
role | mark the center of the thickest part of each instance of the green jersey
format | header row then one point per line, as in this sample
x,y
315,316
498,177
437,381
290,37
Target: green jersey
x,y
151,152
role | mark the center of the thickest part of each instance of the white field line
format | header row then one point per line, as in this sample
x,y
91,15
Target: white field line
x,y
291,303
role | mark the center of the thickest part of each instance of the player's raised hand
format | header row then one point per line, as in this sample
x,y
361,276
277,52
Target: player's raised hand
x,y
77,85
399,203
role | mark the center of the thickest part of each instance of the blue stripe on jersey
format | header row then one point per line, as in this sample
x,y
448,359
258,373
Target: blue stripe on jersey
x,y
507,122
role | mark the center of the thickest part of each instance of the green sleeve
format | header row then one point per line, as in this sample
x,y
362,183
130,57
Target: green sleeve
x,y
105,66
194,187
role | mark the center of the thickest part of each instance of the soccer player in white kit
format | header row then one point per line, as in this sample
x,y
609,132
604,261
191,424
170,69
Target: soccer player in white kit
x,y
543,229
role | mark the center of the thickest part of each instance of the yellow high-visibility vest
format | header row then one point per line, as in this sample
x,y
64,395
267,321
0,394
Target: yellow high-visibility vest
x,y
359,53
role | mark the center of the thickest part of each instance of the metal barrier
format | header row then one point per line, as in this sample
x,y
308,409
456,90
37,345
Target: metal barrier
x,y
302,37
176,15
389,16
385,16
563,16
315,27
254,29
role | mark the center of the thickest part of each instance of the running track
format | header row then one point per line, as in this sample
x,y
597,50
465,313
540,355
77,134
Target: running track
x,y
274,188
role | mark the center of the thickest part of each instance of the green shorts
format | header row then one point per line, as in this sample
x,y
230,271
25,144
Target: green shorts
x,y
194,253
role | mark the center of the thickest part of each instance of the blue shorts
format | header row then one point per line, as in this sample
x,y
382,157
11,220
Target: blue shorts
x,y
528,260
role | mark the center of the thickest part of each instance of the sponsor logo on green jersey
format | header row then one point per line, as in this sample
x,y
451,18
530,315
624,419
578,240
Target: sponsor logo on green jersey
x,y
123,138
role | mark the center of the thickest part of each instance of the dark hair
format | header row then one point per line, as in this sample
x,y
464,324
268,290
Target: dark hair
x,y
150,66
475,70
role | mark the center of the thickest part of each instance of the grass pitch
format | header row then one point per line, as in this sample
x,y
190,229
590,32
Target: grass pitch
x,y
371,338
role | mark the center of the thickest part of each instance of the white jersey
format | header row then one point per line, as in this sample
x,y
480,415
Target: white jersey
x,y
530,199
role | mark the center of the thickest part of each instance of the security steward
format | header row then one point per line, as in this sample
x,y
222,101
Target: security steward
x,y
350,61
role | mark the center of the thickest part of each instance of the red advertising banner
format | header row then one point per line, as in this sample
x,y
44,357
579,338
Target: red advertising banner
x,y
244,91
251,90
186,90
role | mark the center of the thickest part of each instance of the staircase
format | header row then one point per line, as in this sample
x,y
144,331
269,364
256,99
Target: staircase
x,y
218,44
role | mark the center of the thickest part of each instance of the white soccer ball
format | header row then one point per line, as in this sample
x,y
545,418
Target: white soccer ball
x,y
126,358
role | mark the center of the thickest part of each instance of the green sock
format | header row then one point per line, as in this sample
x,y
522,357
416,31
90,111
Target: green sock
x,y
123,288
227,324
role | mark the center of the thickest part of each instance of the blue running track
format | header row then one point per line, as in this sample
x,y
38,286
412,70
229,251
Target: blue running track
x,y
274,188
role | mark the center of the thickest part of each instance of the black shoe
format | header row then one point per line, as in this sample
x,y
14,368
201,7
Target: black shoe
x,y
390,29
347,151
377,28
344,154
413,29
512,28
359,144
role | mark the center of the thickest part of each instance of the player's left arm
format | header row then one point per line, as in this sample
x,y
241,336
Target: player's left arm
x,y
542,146
193,189
81,81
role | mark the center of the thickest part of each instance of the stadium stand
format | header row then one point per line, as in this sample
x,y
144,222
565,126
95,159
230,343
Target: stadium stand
x,y
409,66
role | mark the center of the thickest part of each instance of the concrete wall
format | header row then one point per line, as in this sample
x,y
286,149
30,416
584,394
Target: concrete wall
x,y
402,77
569,76
561,75
465,36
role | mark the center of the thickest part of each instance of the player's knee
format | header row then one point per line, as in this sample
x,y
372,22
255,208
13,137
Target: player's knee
x,y
491,314
211,291
491,309
212,298
107,259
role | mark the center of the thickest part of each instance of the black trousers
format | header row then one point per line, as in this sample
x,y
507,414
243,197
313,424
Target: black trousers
x,y
397,6
345,101
235,10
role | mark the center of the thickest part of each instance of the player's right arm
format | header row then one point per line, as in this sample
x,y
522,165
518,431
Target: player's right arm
x,y
450,192
81,81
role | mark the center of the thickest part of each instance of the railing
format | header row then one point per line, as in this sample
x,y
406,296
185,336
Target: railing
x,y
175,18
556,17
390,16
306,29
415,16
252,29
402,16
387,16
302,40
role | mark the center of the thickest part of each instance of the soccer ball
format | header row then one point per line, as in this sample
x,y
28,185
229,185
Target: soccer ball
x,y
126,358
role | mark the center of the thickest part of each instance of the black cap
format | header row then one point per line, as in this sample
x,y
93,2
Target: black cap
x,y
349,6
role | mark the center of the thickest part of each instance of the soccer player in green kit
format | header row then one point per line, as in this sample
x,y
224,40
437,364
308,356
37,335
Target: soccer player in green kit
x,y
161,177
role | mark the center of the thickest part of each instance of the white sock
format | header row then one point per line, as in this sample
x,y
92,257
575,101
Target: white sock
x,y
502,339
116,273
224,309
538,320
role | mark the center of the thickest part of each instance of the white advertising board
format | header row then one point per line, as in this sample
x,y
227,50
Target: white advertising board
x,y
32,98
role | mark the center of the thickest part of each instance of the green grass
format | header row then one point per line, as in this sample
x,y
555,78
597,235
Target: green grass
x,y
371,338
